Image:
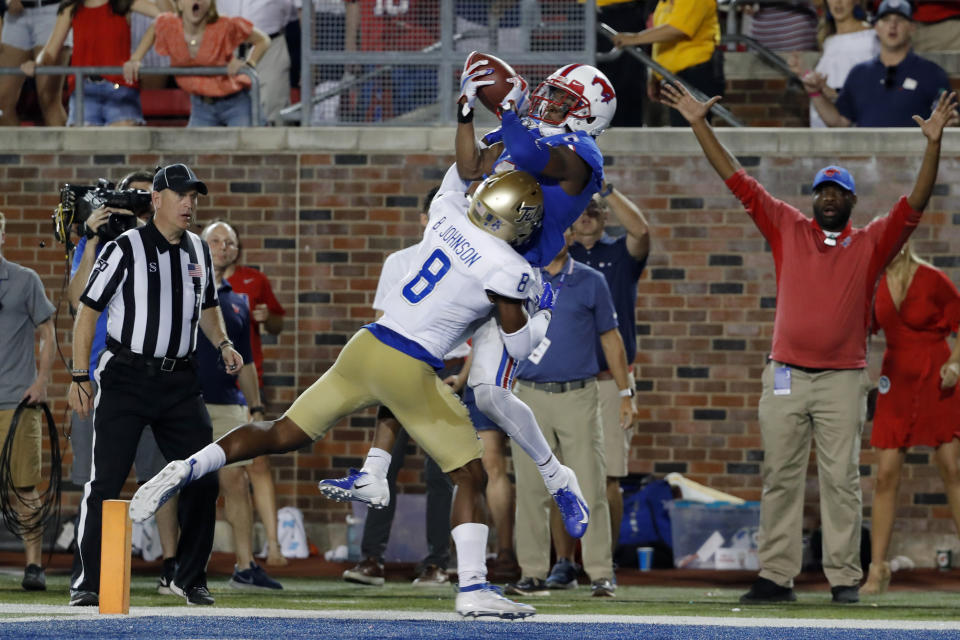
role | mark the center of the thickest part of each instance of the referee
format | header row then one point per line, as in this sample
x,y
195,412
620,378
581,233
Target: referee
x,y
156,283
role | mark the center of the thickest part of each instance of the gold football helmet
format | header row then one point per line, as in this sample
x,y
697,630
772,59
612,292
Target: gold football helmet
x,y
509,206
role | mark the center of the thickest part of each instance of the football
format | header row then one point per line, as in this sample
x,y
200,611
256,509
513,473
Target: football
x,y
492,95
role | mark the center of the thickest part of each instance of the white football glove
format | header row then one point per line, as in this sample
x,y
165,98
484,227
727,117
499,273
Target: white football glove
x,y
470,81
519,95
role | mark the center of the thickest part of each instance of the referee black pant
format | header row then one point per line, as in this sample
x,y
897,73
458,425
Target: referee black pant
x,y
129,398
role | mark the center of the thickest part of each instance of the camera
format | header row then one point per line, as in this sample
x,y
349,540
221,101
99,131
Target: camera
x,y
77,202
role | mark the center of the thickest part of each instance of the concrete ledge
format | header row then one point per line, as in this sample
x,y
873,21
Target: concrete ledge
x,y
653,141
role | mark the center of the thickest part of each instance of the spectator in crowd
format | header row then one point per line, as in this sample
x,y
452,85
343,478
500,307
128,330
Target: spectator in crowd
x,y
376,528
27,25
815,383
267,315
25,315
149,460
490,26
890,89
139,24
685,35
938,25
233,398
784,27
215,101
270,17
917,306
847,40
101,38
559,383
413,25
628,16
621,261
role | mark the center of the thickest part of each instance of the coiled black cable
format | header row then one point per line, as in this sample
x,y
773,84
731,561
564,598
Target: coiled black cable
x,y
25,523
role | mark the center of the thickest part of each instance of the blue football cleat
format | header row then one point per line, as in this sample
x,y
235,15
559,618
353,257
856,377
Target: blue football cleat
x,y
573,508
358,486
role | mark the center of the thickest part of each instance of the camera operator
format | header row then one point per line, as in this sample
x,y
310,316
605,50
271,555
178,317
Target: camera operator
x,y
149,461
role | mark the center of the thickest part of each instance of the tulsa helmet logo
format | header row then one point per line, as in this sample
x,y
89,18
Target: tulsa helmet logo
x,y
527,213
606,91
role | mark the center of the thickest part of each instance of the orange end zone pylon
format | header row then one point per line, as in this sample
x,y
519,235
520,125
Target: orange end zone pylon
x,y
115,557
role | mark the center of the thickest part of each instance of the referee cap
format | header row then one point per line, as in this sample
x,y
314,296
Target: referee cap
x,y
177,177
834,174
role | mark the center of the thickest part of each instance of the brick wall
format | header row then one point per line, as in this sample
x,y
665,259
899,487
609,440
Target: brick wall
x,y
318,210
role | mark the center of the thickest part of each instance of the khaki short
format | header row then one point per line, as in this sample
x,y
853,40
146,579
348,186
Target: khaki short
x,y
26,458
225,417
616,439
367,373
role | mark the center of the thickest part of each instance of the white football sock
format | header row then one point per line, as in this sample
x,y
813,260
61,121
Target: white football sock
x,y
470,539
210,458
377,462
553,475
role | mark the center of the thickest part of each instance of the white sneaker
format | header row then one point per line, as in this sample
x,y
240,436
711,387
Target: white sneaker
x,y
486,600
358,486
159,489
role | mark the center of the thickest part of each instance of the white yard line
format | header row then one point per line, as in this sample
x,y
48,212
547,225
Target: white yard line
x,y
39,612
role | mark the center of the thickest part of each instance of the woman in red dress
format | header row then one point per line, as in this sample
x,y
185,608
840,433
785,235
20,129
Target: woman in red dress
x,y
917,307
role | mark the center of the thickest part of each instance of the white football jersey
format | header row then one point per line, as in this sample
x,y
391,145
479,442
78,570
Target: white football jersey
x,y
443,296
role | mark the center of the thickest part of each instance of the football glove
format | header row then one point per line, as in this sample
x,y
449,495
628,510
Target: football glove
x,y
470,81
519,95
545,303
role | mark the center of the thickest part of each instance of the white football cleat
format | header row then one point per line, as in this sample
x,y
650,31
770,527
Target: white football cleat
x,y
486,600
159,489
358,486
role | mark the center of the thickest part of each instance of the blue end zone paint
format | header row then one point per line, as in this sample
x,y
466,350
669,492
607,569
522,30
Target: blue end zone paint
x,y
173,628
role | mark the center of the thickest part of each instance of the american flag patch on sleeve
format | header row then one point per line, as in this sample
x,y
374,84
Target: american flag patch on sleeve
x,y
194,270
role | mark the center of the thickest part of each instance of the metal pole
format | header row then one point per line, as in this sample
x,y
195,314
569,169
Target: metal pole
x,y
445,68
307,71
255,116
642,56
78,120
590,31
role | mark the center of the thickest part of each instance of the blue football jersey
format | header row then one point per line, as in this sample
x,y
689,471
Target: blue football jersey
x,y
560,208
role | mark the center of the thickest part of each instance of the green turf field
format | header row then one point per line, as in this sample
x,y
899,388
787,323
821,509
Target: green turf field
x,y
317,593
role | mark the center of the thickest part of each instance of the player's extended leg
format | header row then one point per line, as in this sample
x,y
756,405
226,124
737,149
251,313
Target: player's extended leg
x,y
245,442
476,597
517,421
369,484
343,389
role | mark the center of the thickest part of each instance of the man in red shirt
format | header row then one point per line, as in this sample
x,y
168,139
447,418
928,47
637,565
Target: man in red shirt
x,y
268,314
815,382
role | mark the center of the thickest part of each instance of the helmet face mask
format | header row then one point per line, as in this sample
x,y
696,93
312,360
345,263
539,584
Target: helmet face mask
x,y
577,97
509,206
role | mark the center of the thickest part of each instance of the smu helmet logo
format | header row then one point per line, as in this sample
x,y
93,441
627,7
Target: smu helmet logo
x,y
606,91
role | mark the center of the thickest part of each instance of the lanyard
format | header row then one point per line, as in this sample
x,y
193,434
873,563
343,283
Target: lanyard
x,y
567,270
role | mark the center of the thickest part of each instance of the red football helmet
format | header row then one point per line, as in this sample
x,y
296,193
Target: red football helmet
x,y
576,97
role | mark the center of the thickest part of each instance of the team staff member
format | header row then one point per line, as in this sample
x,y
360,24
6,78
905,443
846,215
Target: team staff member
x,y
621,261
157,284
25,313
265,313
227,395
815,384
149,460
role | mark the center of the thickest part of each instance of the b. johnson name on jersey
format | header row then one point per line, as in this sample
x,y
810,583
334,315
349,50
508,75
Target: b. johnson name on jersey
x,y
460,245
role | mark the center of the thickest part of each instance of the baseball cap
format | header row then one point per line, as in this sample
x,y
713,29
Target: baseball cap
x,y
895,6
837,175
179,178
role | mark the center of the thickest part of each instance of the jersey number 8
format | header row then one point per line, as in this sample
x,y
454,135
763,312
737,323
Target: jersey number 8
x,y
433,269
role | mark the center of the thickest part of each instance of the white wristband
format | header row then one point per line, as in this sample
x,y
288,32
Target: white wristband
x,y
626,393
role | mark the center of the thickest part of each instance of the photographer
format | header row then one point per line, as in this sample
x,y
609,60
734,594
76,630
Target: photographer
x,y
149,461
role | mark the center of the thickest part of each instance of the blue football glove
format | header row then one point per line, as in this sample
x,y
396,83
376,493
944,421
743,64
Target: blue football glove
x,y
470,81
545,303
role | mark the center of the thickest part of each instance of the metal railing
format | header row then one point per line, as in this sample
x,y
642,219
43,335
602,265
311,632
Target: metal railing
x,y
766,55
439,55
79,73
649,62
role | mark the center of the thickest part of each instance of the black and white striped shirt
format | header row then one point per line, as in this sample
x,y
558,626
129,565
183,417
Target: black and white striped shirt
x,y
153,291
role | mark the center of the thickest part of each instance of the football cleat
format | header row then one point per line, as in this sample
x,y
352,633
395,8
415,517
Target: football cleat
x,y
573,508
158,489
358,486
486,600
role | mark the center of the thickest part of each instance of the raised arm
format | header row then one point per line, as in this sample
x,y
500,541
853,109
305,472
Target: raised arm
x,y
633,221
695,112
945,113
